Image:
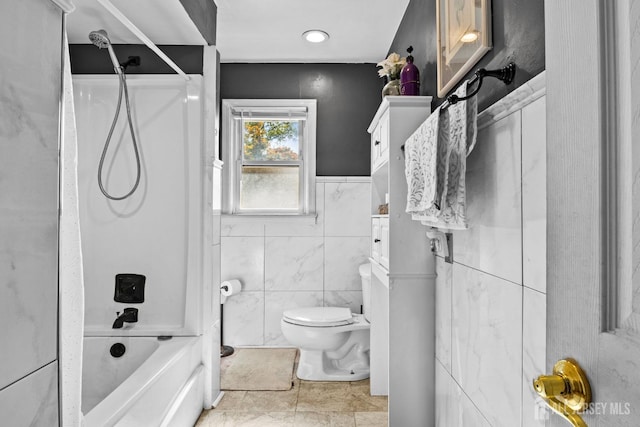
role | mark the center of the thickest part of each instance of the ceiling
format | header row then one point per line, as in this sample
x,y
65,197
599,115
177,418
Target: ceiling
x,y
163,21
255,30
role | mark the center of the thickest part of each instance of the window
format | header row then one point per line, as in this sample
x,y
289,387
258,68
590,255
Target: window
x,y
269,155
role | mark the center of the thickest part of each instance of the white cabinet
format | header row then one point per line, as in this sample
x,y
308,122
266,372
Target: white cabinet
x,y
380,240
380,142
403,273
375,238
384,242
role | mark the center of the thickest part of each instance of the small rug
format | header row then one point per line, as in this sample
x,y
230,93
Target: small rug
x,y
258,369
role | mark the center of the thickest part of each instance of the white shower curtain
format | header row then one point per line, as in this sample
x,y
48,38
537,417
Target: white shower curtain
x,y
71,283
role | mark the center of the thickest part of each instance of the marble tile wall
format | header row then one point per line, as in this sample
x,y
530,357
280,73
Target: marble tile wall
x,y
491,302
30,83
285,265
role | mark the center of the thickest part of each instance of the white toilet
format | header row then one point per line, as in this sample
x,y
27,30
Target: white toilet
x,y
333,342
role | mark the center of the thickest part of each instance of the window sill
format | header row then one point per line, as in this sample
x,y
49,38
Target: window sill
x,y
276,218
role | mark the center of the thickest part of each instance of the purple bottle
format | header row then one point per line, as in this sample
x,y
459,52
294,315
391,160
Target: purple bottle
x,y
410,77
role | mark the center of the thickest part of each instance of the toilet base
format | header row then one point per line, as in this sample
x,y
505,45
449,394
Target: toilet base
x,y
316,365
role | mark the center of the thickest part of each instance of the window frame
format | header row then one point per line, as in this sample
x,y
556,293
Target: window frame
x,y
232,145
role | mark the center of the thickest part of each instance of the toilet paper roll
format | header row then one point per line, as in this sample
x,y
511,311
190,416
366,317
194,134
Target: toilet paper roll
x,y
229,288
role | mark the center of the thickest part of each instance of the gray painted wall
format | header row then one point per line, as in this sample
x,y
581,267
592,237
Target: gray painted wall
x,y
348,96
518,36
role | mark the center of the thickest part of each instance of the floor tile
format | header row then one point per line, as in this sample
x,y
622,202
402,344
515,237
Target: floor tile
x,y
216,418
346,396
267,401
332,419
307,404
372,419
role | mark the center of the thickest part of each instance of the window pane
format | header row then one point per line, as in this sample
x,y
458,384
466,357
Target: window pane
x,y
270,187
271,140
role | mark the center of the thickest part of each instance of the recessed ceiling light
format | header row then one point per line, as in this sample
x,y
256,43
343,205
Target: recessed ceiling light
x,y
315,36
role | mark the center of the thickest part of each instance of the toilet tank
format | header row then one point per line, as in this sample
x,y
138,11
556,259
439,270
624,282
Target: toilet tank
x,y
365,278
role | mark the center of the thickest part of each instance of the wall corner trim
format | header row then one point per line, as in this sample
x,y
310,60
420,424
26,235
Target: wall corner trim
x,y
67,6
514,101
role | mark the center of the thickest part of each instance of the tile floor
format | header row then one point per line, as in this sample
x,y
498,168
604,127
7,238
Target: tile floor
x,y
308,403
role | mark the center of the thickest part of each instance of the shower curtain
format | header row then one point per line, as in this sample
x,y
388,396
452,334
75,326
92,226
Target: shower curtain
x,y
71,284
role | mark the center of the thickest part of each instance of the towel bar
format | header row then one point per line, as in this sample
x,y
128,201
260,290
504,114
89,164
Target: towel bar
x,y
506,74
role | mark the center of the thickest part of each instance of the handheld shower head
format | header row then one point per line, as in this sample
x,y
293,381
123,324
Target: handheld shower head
x,y
101,40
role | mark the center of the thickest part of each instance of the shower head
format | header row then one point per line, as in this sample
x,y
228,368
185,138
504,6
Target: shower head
x,y
101,39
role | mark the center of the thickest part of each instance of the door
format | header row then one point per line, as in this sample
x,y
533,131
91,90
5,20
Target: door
x,y
593,234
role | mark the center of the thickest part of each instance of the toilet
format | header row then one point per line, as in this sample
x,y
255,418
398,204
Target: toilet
x,y
333,341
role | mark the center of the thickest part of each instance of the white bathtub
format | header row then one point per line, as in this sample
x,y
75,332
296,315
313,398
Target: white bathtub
x,y
154,384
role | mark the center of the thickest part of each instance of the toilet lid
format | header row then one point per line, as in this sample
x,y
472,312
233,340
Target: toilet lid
x,y
319,316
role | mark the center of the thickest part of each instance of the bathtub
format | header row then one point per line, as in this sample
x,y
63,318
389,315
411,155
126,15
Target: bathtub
x,y
155,383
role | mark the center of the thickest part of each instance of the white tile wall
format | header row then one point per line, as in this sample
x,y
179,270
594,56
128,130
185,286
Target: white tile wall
x,y
243,322
29,130
486,344
347,209
534,196
453,406
340,255
32,401
242,229
243,259
286,265
444,272
493,242
351,299
491,303
294,263
533,354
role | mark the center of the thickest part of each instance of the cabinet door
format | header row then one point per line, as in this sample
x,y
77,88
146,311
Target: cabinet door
x,y
383,127
375,146
375,239
380,143
384,242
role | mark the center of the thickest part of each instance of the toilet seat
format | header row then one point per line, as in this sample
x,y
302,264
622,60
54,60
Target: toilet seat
x,y
319,316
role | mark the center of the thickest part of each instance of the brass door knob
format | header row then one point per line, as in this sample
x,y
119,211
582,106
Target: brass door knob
x,y
567,391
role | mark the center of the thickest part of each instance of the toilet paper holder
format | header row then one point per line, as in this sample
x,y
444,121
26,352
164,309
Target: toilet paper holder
x,y
229,288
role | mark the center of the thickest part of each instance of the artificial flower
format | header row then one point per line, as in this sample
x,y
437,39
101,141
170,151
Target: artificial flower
x,y
391,66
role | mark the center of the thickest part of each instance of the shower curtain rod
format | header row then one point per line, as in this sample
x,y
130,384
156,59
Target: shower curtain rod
x,y
135,30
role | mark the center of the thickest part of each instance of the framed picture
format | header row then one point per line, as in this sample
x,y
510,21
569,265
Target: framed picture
x,y
464,36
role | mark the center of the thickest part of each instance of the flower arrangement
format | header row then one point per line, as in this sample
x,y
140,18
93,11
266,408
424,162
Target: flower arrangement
x,y
391,66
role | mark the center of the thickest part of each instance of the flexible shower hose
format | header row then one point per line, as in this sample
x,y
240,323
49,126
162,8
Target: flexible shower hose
x,y
123,86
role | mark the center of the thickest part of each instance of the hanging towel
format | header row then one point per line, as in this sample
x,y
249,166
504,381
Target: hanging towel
x,y
456,137
421,155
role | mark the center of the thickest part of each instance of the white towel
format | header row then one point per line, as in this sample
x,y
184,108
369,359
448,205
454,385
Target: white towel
x,y
456,137
421,154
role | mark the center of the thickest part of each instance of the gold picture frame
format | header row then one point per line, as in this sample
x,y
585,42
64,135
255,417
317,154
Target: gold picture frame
x,y
464,36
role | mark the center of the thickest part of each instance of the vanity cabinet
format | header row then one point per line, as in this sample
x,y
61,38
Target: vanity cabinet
x,y
403,273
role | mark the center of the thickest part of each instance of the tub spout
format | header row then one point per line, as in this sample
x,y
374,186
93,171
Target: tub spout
x,y
129,315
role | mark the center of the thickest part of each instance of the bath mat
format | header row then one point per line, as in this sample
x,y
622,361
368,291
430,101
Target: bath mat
x,y
258,369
